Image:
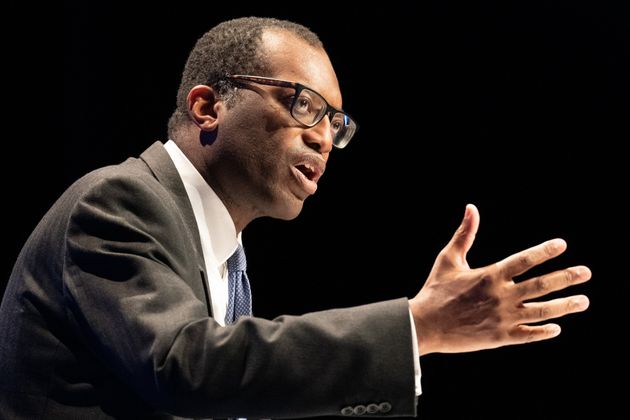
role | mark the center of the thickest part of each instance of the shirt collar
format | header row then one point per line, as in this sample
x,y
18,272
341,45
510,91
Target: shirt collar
x,y
219,223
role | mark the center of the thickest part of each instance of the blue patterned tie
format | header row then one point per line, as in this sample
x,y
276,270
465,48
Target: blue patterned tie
x,y
239,292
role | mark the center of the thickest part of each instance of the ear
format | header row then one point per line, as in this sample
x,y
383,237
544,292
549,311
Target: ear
x,y
202,107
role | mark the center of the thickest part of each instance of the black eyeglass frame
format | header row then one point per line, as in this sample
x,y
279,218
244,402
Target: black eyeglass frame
x,y
330,110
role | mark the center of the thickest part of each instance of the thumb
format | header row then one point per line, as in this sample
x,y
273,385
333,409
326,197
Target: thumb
x,y
465,235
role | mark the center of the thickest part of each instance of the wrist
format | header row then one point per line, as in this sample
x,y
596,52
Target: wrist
x,y
425,335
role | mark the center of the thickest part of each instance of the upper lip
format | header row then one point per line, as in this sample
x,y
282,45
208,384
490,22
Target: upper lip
x,y
315,164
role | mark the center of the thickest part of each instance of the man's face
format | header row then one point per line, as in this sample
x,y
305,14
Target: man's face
x,y
272,160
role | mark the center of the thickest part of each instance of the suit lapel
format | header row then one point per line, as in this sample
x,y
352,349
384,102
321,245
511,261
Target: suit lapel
x,y
164,170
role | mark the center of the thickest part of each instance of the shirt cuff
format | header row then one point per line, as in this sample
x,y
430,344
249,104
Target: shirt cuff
x,y
416,355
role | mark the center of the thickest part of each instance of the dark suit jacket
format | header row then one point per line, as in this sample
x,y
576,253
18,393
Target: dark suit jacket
x,y
107,315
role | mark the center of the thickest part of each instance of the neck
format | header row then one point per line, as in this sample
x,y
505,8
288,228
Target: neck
x,y
209,166
241,216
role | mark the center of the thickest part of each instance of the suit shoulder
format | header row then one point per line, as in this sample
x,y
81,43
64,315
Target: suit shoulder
x,y
129,187
132,171
132,177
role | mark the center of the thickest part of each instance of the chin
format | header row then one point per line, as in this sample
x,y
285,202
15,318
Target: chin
x,y
288,210
282,205
289,214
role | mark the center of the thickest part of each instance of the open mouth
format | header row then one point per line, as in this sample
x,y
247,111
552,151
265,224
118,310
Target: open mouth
x,y
308,172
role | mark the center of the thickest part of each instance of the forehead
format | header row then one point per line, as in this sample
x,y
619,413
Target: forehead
x,y
293,59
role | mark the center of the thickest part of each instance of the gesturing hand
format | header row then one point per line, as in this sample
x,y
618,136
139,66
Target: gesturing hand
x,y
461,309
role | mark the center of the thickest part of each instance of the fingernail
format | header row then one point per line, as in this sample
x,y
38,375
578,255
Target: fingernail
x,y
579,303
554,329
582,272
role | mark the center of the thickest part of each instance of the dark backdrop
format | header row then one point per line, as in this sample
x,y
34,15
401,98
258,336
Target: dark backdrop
x,y
518,107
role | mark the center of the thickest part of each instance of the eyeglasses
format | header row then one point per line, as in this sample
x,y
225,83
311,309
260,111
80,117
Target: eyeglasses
x,y
309,108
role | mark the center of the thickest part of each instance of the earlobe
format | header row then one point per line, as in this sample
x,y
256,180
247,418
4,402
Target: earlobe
x,y
201,107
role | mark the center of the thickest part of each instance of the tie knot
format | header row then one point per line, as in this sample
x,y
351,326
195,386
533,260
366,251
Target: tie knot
x,y
237,261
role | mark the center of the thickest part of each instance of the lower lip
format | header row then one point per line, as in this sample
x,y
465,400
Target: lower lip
x,y
306,184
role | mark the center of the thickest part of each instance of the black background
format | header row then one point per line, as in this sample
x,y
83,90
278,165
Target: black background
x,y
519,107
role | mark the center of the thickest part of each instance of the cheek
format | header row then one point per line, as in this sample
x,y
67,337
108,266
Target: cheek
x,y
269,154
262,139
270,141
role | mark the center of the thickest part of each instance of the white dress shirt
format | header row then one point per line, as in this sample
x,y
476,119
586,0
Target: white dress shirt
x,y
219,240
216,229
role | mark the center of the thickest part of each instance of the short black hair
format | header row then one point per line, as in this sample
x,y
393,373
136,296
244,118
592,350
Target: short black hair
x,y
231,47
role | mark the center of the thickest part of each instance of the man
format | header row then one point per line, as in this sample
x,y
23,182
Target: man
x,y
126,300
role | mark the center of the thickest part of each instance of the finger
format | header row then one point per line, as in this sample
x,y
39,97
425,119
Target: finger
x,y
542,311
543,285
522,261
528,334
465,235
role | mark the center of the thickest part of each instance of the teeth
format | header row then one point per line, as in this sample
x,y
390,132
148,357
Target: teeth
x,y
310,170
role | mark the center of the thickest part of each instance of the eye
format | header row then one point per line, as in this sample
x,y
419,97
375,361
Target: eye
x,y
303,105
337,124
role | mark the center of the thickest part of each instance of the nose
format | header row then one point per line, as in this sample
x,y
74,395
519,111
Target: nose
x,y
319,136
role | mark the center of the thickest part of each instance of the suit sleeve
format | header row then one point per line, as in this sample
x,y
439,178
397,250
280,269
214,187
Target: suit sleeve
x,y
127,290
